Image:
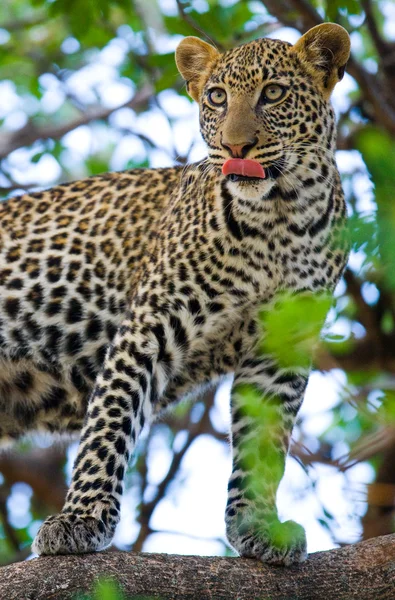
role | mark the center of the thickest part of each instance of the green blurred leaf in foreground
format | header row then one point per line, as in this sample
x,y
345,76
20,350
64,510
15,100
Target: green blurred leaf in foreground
x,y
378,150
108,589
262,459
291,327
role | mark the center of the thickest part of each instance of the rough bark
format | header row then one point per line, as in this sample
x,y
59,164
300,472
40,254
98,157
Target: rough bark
x,y
364,571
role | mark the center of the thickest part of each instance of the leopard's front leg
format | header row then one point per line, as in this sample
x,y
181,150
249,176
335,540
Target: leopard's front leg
x,y
134,376
265,401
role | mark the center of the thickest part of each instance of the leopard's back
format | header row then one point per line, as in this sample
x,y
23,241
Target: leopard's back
x,y
69,260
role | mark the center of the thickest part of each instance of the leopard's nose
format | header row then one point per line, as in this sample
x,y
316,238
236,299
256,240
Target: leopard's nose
x,y
239,150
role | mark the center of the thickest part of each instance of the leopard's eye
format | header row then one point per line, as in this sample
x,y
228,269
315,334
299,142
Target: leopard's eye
x,y
272,93
217,96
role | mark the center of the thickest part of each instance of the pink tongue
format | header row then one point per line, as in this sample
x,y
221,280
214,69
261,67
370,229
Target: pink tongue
x,y
243,166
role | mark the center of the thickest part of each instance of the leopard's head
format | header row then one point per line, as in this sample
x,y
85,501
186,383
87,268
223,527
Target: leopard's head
x,y
267,101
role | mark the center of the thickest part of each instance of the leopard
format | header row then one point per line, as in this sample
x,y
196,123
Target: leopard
x,y
126,292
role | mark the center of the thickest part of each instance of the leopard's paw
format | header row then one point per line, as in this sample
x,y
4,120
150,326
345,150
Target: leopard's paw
x,y
282,544
70,534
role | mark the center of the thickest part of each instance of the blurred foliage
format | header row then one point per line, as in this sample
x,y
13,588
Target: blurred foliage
x,y
378,150
107,589
291,327
85,87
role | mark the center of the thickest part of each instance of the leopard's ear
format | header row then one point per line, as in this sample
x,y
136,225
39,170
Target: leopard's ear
x,y
195,59
324,50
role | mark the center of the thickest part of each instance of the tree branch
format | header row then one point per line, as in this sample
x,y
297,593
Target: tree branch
x,y
25,23
307,12
11,141
42,470
380,44
373,92
366,314
364,571
147,508
195,26
293,13
379,517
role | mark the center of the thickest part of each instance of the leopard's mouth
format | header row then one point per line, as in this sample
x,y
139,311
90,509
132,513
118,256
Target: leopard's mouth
x,y
273,171
234,177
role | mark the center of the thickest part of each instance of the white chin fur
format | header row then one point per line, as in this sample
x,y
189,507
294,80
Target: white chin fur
x,y
246,190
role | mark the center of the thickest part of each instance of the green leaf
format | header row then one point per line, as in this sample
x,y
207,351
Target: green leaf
x,y
347,7
378,150
387,408
291,327
35,159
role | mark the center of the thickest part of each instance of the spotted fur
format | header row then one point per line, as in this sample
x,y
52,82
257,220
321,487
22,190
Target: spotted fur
x,y
123,293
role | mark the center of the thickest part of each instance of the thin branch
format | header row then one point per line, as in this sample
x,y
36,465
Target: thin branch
x,y
190,536
380,44
261,30
26,23
308,13
25,187
29,134
147,509
374,94
379,517
298,14
368,446
366,314
186,17
42,470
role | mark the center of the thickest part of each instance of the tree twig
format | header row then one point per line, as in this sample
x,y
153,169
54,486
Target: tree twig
x,y
195,26
25,23
380,44
147,509
42,470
